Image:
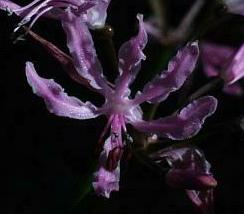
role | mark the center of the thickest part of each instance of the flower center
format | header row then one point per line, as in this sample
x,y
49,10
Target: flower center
x,y
117,105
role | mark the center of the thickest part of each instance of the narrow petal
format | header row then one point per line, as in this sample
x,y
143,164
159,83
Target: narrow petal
x,y
48,8
97,15
57,101
31,12
171,80
215,57
130,56
105,181
8,5
235,70
185,124
65,60
82,49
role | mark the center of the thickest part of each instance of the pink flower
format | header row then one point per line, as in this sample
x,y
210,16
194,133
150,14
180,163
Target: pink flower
x,y
190,171
91,12
225,62
119,107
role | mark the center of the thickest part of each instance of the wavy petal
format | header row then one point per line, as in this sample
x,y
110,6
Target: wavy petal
x,y
57,101
8,5
81,46
97,15
105,181
48,8
65,60
185,124
171,80
130,56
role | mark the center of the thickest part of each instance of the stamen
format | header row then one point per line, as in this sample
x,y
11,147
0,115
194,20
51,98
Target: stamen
x,y
122,121
105,130
114,157
28,17
38,16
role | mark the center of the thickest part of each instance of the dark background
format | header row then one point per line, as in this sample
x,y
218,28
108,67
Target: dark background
x,y
48,158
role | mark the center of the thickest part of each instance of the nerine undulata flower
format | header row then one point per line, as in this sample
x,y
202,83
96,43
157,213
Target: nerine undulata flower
x,y
119,108
190,171
91,12
225,62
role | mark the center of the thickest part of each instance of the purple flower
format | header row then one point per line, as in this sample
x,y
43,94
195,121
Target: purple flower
x,y
119,107
225,62
190,171
96,16
91,12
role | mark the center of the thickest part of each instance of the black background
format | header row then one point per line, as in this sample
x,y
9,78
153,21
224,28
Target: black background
x,y
48,158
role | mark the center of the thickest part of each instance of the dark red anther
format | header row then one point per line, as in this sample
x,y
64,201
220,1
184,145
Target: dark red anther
x,y
114,157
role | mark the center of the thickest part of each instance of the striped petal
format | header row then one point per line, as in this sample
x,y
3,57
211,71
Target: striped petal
x,y
185,124
130,56
81,46
8,5
48,8
97,15
171,80
57,101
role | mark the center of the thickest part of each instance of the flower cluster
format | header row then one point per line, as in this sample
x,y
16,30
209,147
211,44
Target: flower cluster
x,y
189,170
218,60
224,62
120,108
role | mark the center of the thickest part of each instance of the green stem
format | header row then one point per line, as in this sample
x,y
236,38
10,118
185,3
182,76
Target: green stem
x,y
158,7
153,111
105,37
205,89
